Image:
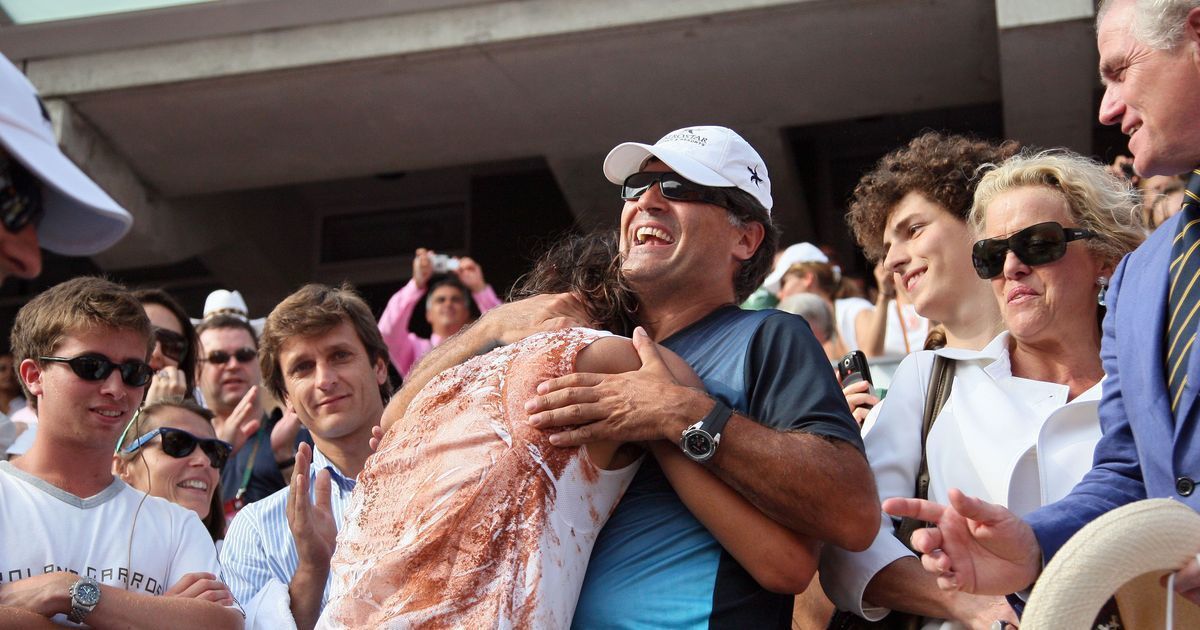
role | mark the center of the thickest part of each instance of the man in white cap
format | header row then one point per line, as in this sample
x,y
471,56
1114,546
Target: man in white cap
x,y
767,295
44,198
696,238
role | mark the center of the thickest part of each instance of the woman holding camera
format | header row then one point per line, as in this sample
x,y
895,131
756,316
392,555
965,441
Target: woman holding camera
x,y
1020,421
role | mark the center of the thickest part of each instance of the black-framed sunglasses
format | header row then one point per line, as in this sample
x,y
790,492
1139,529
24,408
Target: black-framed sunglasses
x,y
173,344
220,357
179,444
20,196
675,187
1038,244
97,367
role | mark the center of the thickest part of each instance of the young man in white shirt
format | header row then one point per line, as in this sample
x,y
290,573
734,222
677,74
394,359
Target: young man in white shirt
x,y
79,543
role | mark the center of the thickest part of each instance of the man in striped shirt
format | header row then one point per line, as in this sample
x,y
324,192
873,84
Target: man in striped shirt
x,y
322,354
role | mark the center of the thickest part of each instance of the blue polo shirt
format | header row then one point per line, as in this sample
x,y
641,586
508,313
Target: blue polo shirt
x,y
654,565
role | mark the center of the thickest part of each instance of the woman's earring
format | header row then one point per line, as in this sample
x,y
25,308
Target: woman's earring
x,y
1103,282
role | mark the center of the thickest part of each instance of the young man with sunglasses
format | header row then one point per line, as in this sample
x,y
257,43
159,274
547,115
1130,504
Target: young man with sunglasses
x,y
79,543
229,379
323,355
696,239
1150,67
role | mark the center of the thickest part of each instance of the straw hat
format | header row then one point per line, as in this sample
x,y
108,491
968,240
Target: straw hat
x,y
1124,552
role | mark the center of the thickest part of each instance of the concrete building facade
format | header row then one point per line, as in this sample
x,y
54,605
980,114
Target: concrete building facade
x,y
261,144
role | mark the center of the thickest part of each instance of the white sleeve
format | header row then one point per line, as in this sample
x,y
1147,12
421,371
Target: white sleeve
x,y
195,551
894,450
846,313
270,608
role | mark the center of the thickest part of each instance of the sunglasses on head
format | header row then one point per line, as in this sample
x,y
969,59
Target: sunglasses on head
x,y
243,355
173,344
1038,244
97,367
20,196
179,443
673,186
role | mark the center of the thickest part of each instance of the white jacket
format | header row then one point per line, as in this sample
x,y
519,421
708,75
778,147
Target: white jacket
x,y
1004,439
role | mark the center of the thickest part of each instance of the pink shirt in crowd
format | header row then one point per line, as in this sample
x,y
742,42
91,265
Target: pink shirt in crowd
x,y
406,347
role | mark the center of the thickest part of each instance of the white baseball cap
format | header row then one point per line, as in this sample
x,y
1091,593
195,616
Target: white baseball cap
x,y
225,302
793,255
709,156
79,218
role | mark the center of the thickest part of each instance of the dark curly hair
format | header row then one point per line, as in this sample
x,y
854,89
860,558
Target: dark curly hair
x,y
588,266
940,167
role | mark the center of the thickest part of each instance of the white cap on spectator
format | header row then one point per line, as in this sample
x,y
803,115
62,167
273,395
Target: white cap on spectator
x,y
224,302
794,255
79,219
709,156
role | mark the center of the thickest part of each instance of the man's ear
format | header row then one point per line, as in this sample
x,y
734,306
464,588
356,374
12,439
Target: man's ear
x,y
120,468
1191,32
31,374
381,371
749,238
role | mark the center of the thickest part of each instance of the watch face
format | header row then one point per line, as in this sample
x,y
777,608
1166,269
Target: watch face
x,y
698,443
87,594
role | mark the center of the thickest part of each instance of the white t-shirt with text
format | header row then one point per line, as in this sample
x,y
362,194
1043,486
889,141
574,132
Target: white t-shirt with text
x,y
46,529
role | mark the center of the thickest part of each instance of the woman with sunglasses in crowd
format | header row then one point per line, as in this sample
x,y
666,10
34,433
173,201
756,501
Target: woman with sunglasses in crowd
x,y
170,450
1020,422
174,356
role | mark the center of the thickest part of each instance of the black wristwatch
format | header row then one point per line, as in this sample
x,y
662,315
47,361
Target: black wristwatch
x,y
85,594
700,441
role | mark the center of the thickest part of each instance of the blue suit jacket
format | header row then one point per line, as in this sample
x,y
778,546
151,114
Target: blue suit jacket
x,y
1143,450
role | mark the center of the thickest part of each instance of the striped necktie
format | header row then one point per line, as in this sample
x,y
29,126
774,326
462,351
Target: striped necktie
x,y
1184,292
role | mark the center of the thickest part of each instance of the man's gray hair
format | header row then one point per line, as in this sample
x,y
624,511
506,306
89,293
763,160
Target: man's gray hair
x,y
814,310
1158,24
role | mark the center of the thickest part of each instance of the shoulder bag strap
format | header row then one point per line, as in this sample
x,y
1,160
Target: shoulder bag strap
x,y
940,382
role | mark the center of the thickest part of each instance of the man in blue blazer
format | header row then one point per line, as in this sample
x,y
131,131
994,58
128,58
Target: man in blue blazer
x,y
1150,66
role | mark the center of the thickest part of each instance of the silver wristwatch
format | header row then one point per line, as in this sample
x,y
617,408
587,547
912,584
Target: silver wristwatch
x,y
85,594
700,441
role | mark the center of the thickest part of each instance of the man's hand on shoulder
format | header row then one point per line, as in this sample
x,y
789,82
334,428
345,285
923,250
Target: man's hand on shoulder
x,y
976,547
643,405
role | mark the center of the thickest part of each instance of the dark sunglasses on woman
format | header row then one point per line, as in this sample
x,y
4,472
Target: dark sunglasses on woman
x,y
20,196
179,444
173,344
673,186
97,367
1038,244
220,357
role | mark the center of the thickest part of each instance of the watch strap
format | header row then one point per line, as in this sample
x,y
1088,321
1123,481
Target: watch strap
x,y
714,422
